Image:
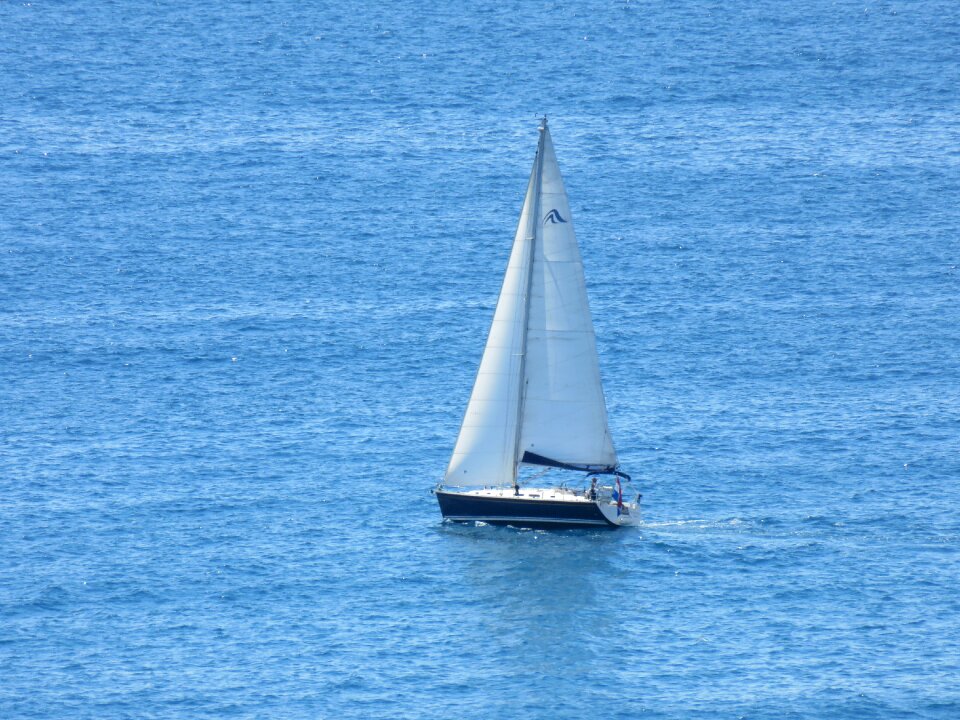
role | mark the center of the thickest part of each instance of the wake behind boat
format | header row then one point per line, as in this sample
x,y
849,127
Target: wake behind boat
x,y
537,401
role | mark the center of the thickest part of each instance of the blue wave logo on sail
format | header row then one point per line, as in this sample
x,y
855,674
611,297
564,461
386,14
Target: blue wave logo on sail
x,y
553,217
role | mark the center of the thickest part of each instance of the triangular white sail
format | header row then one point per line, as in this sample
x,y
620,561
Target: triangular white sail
x,y
537,396
564,413
485,453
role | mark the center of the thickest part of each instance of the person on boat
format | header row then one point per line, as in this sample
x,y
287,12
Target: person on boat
x,y
592,492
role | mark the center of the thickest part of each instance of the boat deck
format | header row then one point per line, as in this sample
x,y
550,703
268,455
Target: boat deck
x,y
562,494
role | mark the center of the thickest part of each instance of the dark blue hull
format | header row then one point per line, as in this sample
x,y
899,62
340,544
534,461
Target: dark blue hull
x,y
520,512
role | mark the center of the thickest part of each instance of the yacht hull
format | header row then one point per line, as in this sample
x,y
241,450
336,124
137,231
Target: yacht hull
x,y
527,511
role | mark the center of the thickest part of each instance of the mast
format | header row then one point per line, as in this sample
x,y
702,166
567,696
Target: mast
x,y
532,225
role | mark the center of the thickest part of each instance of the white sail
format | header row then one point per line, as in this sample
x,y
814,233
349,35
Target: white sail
x,y
564,412
537,394
485,453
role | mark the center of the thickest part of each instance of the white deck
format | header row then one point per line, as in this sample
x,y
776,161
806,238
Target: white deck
x,y
564,494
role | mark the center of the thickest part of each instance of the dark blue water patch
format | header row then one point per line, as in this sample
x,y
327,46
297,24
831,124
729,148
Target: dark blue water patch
x,y
248,264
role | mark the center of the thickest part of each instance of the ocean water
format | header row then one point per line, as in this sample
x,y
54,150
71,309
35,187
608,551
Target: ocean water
x,y
249,253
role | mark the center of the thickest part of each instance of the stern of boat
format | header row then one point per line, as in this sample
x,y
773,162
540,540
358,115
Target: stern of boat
x,y
626,515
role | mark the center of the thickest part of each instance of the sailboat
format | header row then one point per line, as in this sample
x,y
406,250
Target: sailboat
x,y
537,405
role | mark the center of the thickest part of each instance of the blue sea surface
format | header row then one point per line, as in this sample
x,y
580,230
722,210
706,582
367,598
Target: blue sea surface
x,y
249,253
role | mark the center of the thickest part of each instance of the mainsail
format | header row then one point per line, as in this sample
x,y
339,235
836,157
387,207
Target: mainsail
x,y
537,398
